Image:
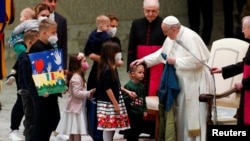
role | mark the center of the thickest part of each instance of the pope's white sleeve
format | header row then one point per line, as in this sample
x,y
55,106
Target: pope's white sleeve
x,y
153,58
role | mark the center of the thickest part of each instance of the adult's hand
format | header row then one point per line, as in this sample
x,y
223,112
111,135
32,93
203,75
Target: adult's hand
x,y
215,70
137,62
238,85
171,60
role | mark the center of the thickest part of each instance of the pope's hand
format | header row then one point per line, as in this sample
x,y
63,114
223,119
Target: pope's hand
x,y
171,60
137,62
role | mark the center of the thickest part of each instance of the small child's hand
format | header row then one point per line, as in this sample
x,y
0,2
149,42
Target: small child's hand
x,y
132,95
117,108
46,94
92,92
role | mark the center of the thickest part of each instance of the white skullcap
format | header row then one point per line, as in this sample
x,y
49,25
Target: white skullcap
x,y
171,20
151,3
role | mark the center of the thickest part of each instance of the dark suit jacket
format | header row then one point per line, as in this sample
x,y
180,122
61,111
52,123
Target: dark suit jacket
x,y
62,36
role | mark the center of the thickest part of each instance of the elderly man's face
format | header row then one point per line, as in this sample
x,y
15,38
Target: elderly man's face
x,y
151,12
246,30
169,31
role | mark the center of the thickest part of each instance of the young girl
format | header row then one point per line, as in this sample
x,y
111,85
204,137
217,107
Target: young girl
x,y
72,122
111,111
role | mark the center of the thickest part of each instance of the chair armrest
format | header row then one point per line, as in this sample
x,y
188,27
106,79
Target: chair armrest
x,y
207,97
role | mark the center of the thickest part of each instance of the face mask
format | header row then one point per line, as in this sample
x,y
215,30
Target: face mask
x,y
112,31
53,39
41,18
118,56
85,66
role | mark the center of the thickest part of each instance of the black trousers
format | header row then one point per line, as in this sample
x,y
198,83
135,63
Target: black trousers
x,y
47,116
136,123
204,9
28,108
16,114
17,110
228,8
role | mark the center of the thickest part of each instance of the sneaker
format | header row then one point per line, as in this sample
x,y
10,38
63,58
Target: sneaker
x,y
10,79
15,136
60,137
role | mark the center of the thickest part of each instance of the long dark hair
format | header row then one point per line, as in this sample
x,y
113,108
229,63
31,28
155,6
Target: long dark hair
x,y
74,67
107,58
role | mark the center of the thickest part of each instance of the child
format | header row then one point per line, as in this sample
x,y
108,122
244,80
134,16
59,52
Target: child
x,y
28,21
93,50
93,46
111,110
72,121
17,112
24,79
47,113
136,107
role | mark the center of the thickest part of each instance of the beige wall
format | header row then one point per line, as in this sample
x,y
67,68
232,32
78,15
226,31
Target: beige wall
x,y
81,15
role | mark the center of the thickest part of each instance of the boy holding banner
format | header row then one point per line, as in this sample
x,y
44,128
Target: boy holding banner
x,y
47,113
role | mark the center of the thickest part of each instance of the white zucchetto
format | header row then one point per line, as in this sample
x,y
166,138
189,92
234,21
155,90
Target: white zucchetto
x,y
171,20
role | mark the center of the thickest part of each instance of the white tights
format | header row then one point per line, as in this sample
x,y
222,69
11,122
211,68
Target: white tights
x,y
108,135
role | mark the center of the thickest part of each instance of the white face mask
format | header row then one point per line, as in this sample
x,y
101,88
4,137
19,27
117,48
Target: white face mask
x,y
118,56
53,40
112,31
41,18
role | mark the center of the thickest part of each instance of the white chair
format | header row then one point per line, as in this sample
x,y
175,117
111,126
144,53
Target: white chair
x,y
225,52
153,114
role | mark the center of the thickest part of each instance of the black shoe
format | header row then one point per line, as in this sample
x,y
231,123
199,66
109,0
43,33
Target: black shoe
x,y
10,79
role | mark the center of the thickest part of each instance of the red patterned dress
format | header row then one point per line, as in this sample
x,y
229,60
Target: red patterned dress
x,y
107,119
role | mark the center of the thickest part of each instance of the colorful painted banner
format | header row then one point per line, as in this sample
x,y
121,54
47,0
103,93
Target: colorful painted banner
x,y
47,71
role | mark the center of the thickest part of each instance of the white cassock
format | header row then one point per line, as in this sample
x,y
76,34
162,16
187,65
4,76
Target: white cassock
x,y
194,79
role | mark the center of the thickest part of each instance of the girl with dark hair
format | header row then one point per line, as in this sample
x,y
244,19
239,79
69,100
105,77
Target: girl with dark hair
x,y
72,122
111,111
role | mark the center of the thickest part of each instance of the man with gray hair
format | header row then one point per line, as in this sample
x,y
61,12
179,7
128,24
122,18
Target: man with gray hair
x,y
146,37
187,53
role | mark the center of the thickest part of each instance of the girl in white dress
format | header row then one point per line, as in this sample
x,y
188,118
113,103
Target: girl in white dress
x,y
72,122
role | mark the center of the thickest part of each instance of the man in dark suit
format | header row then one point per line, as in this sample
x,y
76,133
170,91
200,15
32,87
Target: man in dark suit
x,y
61,28
62,44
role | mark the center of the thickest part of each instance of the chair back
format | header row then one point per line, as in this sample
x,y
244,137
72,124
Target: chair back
x,y
225,52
